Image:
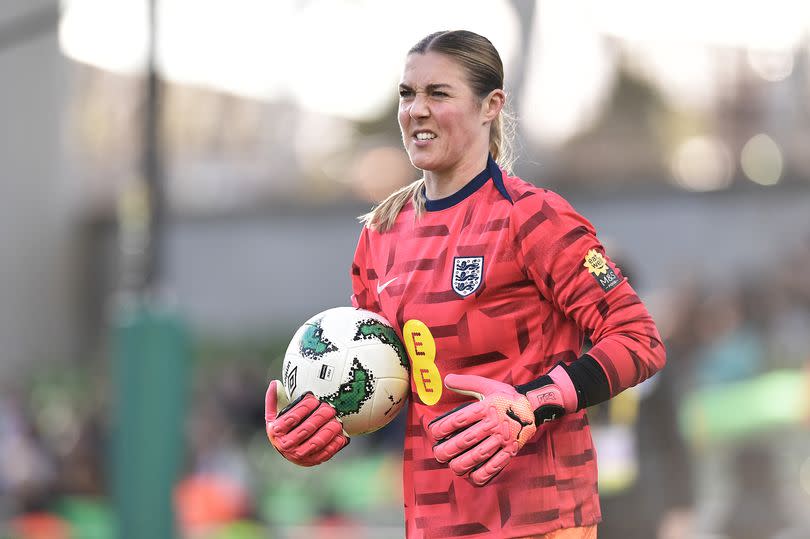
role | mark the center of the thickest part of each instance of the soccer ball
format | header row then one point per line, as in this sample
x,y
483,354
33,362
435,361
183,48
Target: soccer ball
x,y
352,359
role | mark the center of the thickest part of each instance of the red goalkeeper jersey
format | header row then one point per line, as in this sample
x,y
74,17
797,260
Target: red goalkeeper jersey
x,y
503,280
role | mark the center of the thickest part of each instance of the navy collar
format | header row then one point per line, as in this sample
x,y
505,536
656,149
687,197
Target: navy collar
x,y
491,171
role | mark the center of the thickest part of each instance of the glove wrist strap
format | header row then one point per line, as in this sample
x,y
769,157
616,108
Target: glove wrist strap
x,y
569,393
551,395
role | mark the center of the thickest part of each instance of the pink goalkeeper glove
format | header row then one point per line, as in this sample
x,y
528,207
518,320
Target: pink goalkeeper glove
x,y
306,430
479,438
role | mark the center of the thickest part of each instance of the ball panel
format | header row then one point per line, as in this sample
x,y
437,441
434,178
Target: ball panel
x,y
313,344
377,330
356,390
389,398
380,358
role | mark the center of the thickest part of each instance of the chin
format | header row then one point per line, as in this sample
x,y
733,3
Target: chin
x,y
422,162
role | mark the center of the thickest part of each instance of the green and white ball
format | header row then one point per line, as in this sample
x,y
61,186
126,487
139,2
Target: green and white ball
x,y
354,360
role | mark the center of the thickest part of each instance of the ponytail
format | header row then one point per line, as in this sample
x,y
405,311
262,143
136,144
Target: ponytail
x,y
501,135
382,217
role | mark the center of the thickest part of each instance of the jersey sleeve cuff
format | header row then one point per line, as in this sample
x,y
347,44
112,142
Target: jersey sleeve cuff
x,y
589,380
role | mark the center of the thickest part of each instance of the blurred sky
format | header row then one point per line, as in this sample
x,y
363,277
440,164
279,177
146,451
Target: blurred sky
x,y
342,56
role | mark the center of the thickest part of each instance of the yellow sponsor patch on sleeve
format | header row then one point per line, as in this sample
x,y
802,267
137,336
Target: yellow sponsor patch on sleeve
x,y
598,266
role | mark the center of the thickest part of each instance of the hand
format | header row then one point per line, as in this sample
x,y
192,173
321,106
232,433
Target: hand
x,y
480,438
306,430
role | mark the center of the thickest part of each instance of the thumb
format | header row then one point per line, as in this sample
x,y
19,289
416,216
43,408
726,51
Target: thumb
x,y
472,385
275,398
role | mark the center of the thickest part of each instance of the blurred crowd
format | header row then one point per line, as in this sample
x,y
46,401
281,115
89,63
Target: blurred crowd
x,y
716,445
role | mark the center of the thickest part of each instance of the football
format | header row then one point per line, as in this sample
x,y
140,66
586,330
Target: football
x,y
354,360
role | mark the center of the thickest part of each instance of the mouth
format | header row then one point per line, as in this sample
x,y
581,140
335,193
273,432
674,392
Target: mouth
x,y
424,135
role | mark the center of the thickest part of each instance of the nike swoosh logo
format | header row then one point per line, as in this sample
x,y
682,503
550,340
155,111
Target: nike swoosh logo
x,y
381,287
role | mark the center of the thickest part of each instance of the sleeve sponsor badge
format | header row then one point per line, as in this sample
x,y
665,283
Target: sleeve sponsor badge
x,y
598,267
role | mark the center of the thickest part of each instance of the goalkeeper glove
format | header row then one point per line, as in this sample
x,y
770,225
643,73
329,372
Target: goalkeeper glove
x,y
479,438
306,430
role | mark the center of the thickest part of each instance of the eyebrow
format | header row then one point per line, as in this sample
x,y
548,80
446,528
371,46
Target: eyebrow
x,y
429,87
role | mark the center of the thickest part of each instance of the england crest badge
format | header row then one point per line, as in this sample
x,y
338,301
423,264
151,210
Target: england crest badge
x,y
467,274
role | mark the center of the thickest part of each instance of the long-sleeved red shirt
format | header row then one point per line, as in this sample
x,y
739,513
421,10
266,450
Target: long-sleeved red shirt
x,y
506,280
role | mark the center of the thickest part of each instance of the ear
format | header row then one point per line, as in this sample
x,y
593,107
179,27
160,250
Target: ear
x,y
492,105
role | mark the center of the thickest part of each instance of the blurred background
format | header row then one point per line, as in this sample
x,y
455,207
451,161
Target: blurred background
x,y
179,186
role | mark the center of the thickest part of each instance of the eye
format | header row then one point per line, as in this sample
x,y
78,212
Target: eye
x,y
439,93
405,93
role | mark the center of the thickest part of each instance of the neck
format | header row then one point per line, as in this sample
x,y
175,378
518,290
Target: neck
x,y
442,184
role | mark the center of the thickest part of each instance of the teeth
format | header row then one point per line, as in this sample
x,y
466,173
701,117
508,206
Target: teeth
x,y
425,136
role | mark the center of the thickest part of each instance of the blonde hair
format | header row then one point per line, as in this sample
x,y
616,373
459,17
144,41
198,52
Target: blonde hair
x,y
484,68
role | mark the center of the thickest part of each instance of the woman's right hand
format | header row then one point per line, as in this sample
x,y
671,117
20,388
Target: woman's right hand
x,y
306,431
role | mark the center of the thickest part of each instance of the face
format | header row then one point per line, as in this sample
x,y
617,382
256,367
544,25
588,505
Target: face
x,y
444,125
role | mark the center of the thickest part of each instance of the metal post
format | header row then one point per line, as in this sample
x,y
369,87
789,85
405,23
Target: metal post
x,y
151,348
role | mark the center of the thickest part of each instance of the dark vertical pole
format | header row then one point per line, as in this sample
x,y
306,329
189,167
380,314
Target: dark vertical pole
x,y
153,163
151,348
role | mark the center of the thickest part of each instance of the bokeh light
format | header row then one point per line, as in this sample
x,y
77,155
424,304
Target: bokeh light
x,y
121,26
761,160
702,164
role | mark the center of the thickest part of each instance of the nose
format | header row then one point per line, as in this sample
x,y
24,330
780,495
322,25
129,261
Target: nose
x,y
419,107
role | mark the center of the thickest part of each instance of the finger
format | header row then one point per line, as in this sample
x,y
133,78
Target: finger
x,y
306,427
470,384
293,414
449,412
273,398
490,468
337,443
445,426
461,442
475,457
308,396
319,439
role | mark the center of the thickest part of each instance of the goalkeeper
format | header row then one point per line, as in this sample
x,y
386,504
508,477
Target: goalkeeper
x,y
493,284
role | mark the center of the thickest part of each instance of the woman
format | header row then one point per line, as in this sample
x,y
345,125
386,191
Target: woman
x,y
494,285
